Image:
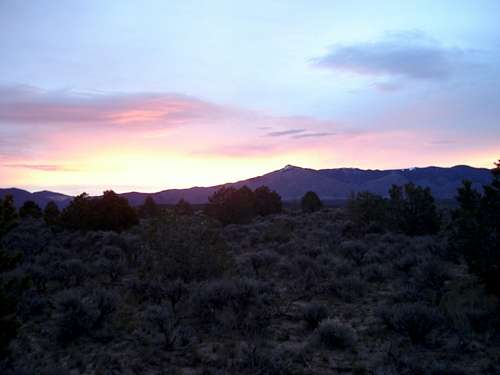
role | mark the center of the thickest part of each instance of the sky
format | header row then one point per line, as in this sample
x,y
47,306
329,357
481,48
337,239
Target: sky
x,y
149,95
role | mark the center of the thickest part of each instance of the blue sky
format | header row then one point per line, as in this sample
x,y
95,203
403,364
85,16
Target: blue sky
x,y
239,88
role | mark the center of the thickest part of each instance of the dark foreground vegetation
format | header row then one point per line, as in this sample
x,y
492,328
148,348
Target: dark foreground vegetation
x,y
383,286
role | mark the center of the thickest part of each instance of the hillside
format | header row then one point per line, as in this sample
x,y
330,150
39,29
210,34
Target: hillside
x,y
293,182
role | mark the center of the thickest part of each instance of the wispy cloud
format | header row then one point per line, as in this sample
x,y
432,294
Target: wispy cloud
x,y
285,132
312,135
42,167
406,54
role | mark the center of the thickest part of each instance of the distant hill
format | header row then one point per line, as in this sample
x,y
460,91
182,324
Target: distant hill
x,y
292,182
40,197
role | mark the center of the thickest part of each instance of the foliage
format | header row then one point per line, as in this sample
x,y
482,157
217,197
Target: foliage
x,y
149,208
335,335
183,208
267,202
366,209
51,213
314,314
412,210
238,206
8,214
30,209
310,202
185,247
109,212
476,230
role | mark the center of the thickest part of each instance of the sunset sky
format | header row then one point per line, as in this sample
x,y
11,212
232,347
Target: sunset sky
x,y
149,95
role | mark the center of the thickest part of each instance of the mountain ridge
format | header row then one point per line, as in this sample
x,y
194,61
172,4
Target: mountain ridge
x,y
291,182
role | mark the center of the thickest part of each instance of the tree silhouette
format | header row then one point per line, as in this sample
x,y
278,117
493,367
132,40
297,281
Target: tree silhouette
x,y
310,202
236,206
109,212
183,208
476,230
149,208
8,214
51,213
30,209
267,202
413,210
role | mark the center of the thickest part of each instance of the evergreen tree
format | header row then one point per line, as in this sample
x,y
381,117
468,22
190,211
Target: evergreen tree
x,y
8,214
30,209
183,208
149,208
310,202
267,202
51,213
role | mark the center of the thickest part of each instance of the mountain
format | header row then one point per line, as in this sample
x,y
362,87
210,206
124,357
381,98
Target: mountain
x,y
293,182
40,197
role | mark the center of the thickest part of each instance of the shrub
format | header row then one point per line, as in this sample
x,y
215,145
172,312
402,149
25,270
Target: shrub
x,y
160,319
184,247
413,320
310,202
335,335
75,316
314,314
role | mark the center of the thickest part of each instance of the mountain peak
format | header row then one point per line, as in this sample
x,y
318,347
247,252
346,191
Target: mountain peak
x,y
289,167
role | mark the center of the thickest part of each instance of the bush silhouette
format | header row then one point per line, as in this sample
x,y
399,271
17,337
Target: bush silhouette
x,y
310,202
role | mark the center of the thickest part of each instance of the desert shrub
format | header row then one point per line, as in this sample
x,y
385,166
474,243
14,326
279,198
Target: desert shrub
x,y
79,314
432,274
310,202
255,359
348,288
51,213
75,316
413,320
412,210
335,335
355,251
235,304
184,247
160,319
30,209
109,212
314,314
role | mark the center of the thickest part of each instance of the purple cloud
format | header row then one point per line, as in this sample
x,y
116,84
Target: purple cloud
x,y
406,55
